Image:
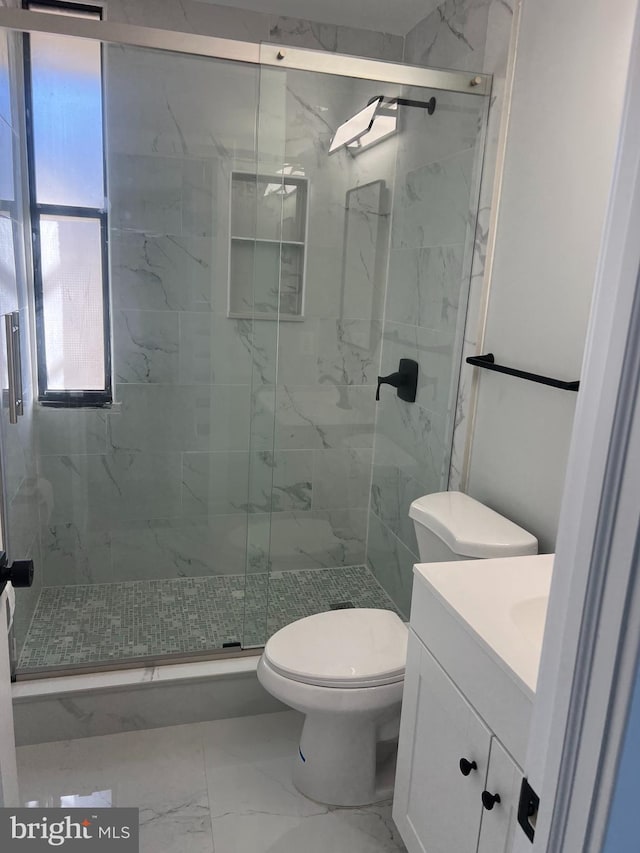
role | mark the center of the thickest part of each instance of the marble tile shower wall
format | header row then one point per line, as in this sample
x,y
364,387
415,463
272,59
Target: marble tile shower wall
x,y
159,486
472,35
435,251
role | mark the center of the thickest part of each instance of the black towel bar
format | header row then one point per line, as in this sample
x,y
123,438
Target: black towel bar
x,y
487,361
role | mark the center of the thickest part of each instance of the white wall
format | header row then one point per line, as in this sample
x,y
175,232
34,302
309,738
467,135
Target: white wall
x,y
565,115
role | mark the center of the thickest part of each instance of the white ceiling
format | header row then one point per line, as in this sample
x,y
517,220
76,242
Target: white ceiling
x,y
387,16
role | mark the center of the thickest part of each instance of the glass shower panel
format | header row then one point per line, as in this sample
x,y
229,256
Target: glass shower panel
x,y
319,419
387,248
434,216
265,467
19,481
145,503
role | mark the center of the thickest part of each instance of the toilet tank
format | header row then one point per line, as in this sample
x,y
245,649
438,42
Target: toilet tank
x,y
454,526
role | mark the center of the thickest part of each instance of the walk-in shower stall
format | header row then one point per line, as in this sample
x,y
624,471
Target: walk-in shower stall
x,y
215,248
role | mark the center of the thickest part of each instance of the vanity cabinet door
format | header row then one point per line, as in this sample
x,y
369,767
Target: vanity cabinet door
x,y
504,778
436,807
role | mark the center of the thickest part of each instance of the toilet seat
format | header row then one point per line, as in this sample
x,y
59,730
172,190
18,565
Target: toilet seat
x,y
351,648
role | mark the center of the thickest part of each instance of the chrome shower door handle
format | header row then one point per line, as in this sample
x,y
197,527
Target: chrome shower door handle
x,y
14,365
17,362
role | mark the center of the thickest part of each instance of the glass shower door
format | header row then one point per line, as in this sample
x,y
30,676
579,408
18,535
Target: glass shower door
x,y
374,242
144,503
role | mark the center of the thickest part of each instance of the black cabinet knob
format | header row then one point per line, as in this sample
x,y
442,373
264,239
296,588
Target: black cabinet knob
x,y
467,766
489,800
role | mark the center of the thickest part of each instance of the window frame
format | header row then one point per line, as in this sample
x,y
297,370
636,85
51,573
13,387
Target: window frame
x,y
47,396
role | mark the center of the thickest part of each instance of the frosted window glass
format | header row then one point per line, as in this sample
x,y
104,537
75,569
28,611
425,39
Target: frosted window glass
x,y
72,303
66,91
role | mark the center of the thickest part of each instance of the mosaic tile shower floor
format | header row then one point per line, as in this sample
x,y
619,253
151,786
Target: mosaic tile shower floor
x,y
102,623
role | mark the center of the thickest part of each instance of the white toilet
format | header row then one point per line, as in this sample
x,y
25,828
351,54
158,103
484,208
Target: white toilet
x,y
344,669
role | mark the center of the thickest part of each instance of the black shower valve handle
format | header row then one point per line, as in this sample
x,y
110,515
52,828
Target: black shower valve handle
x,y
405,380
394,379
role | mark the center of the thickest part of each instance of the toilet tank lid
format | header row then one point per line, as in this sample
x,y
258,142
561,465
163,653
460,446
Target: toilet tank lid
x,y
470,528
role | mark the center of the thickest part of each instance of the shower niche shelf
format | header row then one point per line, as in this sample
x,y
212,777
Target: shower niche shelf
x,y
267,252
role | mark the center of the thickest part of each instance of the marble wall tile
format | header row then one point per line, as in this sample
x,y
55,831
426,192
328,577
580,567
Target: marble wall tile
x,y
191,16
426,287
22,514
392,492
327,350
280,481
198,191
146,193
157,548
415,440
219,483
185,106
323,296
349,351
452,36
172,548
70,430
165,273
391,563
418,221
330,37
259,545
215,349
145,346
341,478
96,489
316,539
284,541
298,352
72,554
161,195
214,483
454,126
314,417
181,418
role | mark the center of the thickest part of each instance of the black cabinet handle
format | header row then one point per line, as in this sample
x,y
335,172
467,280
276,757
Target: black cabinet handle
x,y
467,766
489,800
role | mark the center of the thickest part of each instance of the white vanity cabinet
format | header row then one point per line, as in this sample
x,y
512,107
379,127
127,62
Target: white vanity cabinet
x,y
474,648
447,758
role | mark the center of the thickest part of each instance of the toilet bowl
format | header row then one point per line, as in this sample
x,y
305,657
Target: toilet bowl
x,y
344,669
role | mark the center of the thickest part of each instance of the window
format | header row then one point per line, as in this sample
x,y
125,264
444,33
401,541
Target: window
x,y
67,187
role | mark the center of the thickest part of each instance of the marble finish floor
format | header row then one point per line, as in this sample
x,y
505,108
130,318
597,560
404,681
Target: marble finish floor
x,y
98,623
223,786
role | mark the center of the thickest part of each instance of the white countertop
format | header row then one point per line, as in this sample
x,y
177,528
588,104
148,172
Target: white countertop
x,y
502,602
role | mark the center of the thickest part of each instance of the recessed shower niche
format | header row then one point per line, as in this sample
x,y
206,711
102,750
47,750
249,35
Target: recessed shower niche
x,y
267,246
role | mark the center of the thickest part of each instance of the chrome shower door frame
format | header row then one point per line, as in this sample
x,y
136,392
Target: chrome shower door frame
x,y
257,53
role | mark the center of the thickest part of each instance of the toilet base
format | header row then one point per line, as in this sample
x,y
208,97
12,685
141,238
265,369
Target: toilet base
x,y
345,764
